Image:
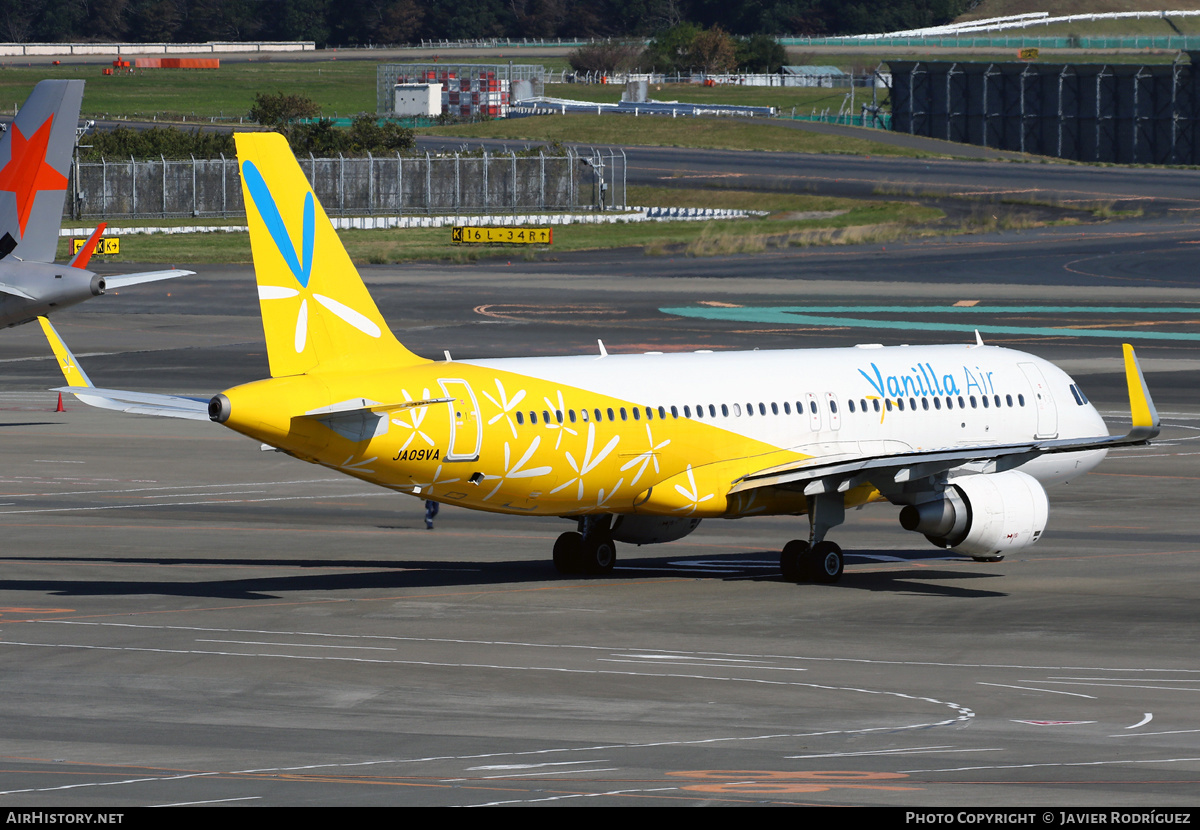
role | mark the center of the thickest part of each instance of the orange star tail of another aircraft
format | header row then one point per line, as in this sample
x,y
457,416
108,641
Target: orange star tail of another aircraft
x,y
35,160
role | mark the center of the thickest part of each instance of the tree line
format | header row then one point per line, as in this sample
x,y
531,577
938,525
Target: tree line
x,y
383,22
295,116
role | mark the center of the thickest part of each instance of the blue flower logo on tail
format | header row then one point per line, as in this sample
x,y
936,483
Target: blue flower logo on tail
x,y
299,264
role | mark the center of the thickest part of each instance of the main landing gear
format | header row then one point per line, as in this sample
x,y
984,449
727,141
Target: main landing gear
x,y
590,550
817,560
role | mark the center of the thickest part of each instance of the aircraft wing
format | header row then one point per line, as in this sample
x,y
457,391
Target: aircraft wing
x,y
141,403
818,475
125,280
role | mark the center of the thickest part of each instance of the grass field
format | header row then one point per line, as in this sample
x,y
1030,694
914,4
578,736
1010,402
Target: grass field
x,y
338,87
659,131
787,224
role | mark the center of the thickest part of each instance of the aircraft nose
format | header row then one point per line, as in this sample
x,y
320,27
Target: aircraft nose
x,y
219,409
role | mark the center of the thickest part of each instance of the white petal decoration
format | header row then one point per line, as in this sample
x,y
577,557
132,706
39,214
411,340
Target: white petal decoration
x,y
349,315
275,292
302,326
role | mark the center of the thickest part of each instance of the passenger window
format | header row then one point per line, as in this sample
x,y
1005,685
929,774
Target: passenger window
x,y
545,417
520,418
900,404
849,403
533,417
876,403
937,404
887,404
712,410
600,417
737,410
583,415
699,411
637,415
558,415
624,417
762,408
973,405
674,412
984,400
1021,400
812,407
787,408
949,402
925,404
724,410
1008,399
611,415
961,403
774,408
749,409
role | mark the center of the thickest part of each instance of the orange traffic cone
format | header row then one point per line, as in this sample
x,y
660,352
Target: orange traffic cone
x,y
60,407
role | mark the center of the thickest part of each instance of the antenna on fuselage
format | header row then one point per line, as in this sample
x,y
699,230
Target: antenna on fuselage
x,y
978,339
603,351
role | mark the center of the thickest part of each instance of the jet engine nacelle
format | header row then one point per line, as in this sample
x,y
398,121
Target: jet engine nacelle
x,y
983,516
651,530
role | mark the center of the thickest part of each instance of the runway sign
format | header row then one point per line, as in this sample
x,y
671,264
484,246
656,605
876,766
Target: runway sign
x,y
513,236
105,245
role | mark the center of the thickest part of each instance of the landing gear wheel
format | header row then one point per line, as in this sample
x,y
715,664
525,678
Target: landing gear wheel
x,y
568,553
792,560
599,555
826,562
999,557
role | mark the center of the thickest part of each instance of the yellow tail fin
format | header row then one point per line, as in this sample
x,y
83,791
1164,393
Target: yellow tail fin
x,y
316,311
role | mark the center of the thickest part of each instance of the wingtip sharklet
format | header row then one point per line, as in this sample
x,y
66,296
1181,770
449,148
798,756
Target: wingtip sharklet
x,y
1141,406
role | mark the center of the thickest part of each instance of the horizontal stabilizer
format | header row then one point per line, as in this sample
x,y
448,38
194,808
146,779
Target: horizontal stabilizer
x,y
363,405
141,403
125,280
12,290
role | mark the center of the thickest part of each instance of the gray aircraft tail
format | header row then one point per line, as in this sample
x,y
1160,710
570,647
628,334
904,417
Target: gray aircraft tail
x,y
35,167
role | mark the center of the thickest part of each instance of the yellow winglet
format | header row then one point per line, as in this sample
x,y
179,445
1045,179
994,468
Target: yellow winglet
x,y
1141,406
66,361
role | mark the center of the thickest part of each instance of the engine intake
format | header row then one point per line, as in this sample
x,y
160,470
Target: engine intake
x,y
983,516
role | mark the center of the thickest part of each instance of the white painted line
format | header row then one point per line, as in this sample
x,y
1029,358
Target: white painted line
x,y
295,645
1032,689
497,767
1145,720
1059,764
558,772
1148,734
213,801
920,750
704,665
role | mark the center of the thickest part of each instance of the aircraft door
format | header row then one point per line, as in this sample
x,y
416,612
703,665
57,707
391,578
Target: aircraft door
x,y
814,411
466,427
1047,413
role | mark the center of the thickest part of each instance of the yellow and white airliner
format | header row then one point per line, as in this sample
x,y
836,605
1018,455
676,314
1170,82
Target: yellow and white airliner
x,y
641,448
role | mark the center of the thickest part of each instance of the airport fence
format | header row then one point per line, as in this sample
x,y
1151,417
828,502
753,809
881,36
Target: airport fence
x,y
454,183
